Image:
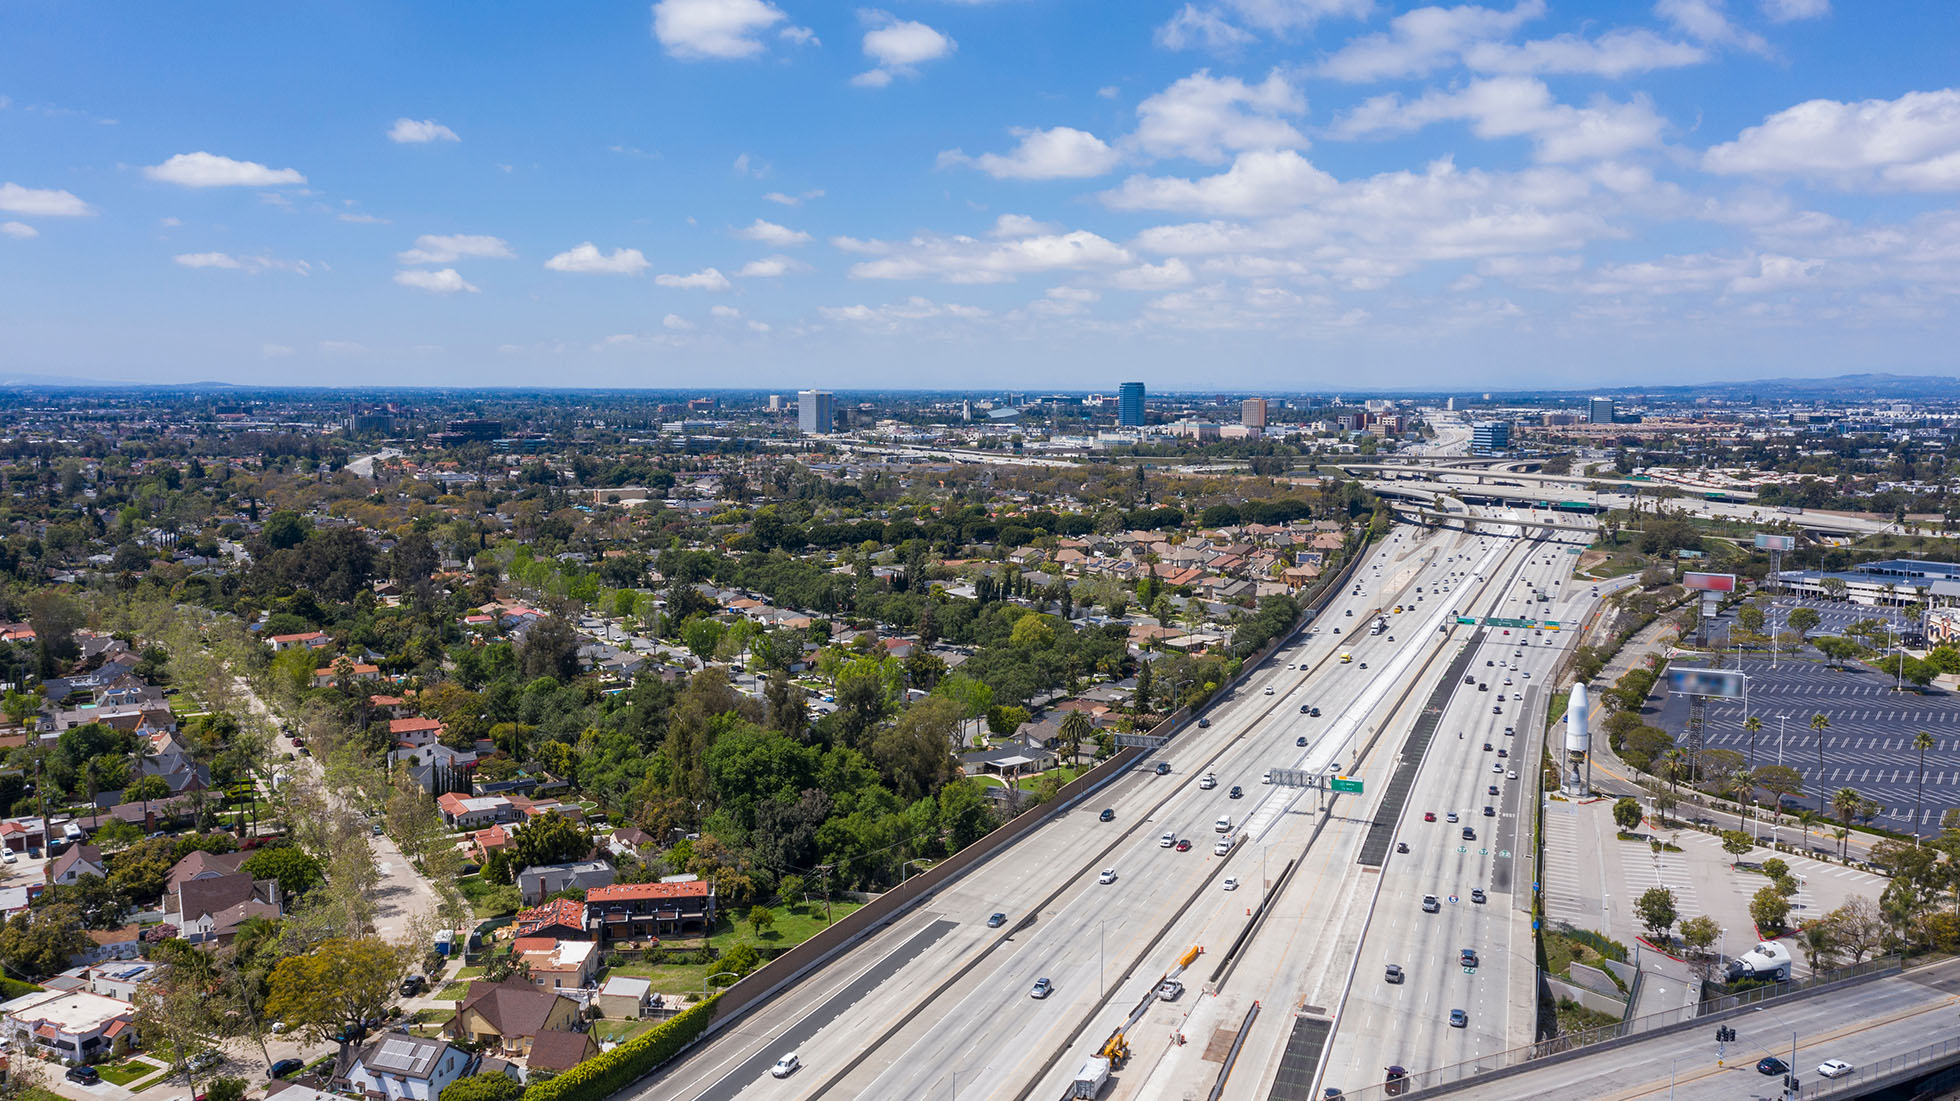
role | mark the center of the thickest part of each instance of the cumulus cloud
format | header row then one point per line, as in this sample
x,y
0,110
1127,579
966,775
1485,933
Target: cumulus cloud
x,y
1786,11
251,264
793,200
19,231
1707,21
1614,54
719,29
1205,117
1502,107
210,170
588,260
275,351
707,279
769,233
724,313
1421,40
41,202
1225,25
407,131
898,315
962,259
1256,184
1060,153
432,248
770,267
443,281
898,47
1153,277
1910,143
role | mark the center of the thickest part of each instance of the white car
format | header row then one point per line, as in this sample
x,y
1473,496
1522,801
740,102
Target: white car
x,y
1108,876
785,1066
1167,841
1834,1068
1231,883
1208,781
1269,690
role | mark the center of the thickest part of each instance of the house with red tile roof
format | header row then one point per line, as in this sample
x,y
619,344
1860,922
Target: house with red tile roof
x,y
635,911
414,733
312,640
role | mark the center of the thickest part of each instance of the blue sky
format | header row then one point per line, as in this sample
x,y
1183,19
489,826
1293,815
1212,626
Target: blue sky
x,y
1231,194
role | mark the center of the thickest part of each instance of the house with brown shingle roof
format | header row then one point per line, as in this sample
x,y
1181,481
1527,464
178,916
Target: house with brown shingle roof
x,y
506,1018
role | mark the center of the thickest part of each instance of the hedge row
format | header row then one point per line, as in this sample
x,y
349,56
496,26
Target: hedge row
x,y
14,988
609,1072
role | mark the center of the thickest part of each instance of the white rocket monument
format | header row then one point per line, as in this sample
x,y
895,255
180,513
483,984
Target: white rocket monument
x,y
1575,773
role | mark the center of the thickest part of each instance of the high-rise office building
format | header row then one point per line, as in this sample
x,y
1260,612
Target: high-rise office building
x,y
1490,436
1129,404
1600,411
1252,412
816,411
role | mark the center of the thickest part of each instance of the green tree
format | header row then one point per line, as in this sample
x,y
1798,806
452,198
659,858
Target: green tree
x,y
41,940
144,789
740,960
549,838
1838,650
1770,910
1076,728
492,1086
702,635
1736,844
1626,812
1779,781
225,1089
1804,619
1656,910
1844,804
1922,742
334,988
760,918
296,872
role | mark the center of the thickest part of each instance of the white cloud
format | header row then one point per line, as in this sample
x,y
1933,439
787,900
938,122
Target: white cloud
x,y
758,326
1020,225
443,281
1203,117
1613,54
677,323
275,351
1256,184
769,233
1785,11
749,165
1060,153
41,202
793,200
1421,40
1776,273
431,248
725,313
726,29
899,47
1706,21
963,259
800,36
770,267
1153,277
1223,25
897,315
1910,143
408,131
358,218
252,264
20,231
707,279
586,259
343,348
210,170
170,222
1503,107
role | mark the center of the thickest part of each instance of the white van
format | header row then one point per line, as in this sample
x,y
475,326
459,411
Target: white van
x,y
1223,825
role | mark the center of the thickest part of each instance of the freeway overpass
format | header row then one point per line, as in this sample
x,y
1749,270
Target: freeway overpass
x,y
1818,523
1498,469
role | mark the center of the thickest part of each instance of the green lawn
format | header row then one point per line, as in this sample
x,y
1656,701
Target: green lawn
x,y
791,927
122,1074
453,992
487,898
670,978
620,1031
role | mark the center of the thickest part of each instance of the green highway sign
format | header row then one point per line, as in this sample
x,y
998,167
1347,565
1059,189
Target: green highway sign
x,y
1493,621
1572,550
1342,783
1467,620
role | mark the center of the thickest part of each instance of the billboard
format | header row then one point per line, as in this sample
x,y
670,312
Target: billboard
x,y
1725,683
1768,542
1709,582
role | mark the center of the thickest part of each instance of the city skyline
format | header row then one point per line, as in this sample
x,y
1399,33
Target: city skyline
x,y
782,194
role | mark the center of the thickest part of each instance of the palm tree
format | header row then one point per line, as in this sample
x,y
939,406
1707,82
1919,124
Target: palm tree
x,y
1845,804
1808,819
1075,727
1922,742
1752,724
1820,722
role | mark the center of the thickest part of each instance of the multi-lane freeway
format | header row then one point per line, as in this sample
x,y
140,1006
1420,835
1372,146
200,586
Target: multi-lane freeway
x,y
942,1001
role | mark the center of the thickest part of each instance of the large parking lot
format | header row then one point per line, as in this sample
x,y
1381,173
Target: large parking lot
x,y
1868,745
1835,616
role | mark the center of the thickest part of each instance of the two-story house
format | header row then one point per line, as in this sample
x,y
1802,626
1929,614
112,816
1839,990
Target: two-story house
x,y
637,911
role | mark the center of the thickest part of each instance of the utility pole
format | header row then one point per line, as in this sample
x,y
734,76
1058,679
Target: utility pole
x,y
825,869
